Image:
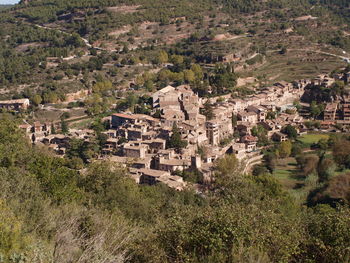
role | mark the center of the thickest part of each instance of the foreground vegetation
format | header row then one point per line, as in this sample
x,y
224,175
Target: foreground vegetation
x,y
52,213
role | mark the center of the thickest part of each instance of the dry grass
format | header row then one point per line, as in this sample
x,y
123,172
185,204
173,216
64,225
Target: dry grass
x,y
290,66
124,9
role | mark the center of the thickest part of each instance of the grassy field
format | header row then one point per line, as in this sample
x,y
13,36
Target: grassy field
x,y
288,175
286,172
81,124
309,139
55,114
291,178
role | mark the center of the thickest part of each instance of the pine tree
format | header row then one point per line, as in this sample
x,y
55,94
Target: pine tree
x,y
64,127
53,129
175,140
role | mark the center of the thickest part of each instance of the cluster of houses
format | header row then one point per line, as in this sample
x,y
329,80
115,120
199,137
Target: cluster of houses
x,y
44,133
18,105
337,111
139,141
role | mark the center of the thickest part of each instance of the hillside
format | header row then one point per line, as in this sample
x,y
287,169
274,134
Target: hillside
x,y
5,6
207,29
172,131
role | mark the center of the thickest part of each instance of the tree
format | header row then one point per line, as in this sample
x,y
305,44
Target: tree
x,y
79,148
270,184
308,163
193,175
198,72
64,126
163,57
177,59
271,115
101,87
341,152
65,115
260,132
270,159
75,40
297,149
53,129
290,131
37,99
139,80
50,97
208,110
325,169
322,144
315,110
285,149
131,101
328,230
224,79
234,120
12,239
189,76
125,48
297,105
149,85
175,140
227,166
260,169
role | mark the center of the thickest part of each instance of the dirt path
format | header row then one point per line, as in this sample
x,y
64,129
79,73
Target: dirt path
x,y
347,59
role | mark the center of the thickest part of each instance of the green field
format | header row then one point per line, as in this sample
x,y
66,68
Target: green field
x,y
286,172
309,139
84,123
288,175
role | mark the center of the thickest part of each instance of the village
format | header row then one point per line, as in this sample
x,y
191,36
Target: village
x,y
182,137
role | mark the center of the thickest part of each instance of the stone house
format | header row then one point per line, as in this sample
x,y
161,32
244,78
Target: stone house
x,y
250,117
243,128
155,145
20,104
330,111
112,142
279,137
212,133
150,176
27,128
61,140
250,142
135,150
171,165
259,111
119,119
110,133
239,149
160,93
346,108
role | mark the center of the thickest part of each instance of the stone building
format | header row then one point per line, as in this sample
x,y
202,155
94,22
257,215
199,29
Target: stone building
x,y
330,111
17,105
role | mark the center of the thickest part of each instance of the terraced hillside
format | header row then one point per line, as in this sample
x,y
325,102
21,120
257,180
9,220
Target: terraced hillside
x,y
89,37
